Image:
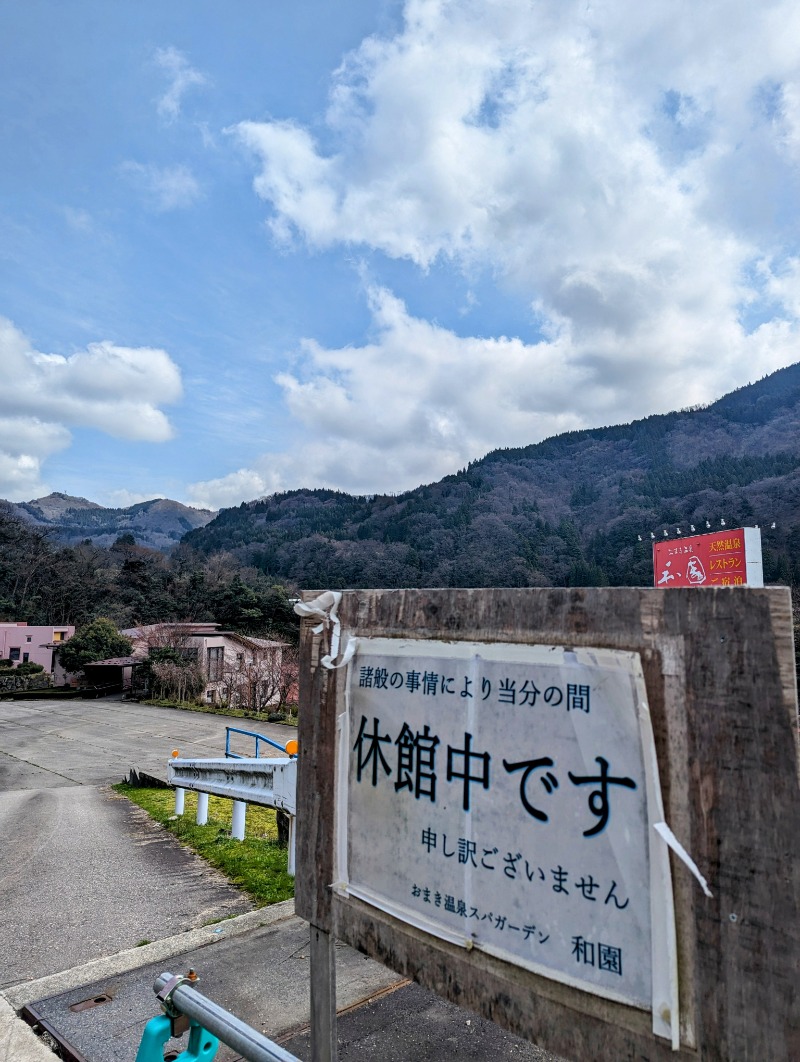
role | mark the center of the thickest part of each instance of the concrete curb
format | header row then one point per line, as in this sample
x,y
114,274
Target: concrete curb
x,y
20,995
18,1042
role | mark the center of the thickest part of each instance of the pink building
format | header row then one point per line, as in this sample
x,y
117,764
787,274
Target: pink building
x,y
21,643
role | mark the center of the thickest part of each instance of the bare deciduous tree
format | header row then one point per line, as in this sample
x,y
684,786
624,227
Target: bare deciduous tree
x,y
174,662
289,675
254,681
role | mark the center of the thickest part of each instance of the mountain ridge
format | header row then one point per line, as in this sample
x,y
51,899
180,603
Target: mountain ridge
x,y
565,511
158,523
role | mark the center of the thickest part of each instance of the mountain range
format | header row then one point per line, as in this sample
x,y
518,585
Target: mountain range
x,y
158,524
577,509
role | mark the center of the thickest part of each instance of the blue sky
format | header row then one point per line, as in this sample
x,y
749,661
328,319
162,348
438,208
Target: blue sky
x,y
268,245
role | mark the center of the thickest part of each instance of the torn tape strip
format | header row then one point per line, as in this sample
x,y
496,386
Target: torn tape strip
x,y
669,838
326,606
347,656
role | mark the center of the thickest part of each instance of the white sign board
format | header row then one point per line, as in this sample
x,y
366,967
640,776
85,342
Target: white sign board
x,y
503,797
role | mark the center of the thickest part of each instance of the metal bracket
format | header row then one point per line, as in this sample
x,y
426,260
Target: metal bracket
x,y
179,1025
164,997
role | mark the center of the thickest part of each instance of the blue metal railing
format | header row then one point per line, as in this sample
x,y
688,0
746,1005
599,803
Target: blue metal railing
x,y
248,733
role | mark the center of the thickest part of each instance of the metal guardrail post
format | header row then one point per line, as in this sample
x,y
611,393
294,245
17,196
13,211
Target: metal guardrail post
x,y
223,1025
264,782
238,819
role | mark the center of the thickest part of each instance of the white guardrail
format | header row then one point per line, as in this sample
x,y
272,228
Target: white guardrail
x,y
269,783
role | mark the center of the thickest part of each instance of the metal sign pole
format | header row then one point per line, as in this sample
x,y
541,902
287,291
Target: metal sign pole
x,y
324,1046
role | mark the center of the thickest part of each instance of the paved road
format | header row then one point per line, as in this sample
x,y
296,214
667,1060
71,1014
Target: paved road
x,y
83,873
48,743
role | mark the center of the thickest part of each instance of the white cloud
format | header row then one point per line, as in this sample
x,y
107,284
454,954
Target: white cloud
x,y
80,220
123,498
420,402
164,187
25,443
230,490
529,136
783,285
117,390
182,77
604,161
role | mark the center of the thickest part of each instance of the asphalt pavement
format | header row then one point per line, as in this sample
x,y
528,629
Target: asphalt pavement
x,y
85,873
51,744
88,878
261,974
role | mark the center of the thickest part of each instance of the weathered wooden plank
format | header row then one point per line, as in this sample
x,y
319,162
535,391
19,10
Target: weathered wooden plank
x,y
718,665
742,758
315,780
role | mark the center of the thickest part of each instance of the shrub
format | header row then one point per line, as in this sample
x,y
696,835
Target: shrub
x,y
30,668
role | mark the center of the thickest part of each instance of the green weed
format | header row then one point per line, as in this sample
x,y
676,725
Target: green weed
x,y
257,865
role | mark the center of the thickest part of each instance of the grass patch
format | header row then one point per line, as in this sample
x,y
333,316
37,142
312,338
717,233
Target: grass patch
x,y
290,719
257,865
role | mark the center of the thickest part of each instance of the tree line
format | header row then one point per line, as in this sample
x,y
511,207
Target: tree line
x,y
42,582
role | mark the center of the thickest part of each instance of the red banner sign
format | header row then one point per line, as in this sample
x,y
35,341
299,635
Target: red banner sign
x,y
721,558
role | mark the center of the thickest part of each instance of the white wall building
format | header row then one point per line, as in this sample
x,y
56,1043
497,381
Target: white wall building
x,y
237,668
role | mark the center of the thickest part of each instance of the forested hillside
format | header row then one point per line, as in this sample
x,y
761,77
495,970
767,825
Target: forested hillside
x,y
43,582
567,511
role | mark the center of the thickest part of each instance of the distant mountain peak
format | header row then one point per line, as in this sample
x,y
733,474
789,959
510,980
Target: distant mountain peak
x,y
158,524
56,504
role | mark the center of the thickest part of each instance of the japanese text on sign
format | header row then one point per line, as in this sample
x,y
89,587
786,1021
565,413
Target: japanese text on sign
x,y
499,796
721,558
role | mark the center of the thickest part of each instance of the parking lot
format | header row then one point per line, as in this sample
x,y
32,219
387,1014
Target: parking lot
x,y
53,743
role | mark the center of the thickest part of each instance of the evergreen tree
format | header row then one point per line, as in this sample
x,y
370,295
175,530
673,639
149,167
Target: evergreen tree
x,y
98,640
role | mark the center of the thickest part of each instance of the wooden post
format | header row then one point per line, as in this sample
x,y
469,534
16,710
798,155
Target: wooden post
x,y
718,666
324,1046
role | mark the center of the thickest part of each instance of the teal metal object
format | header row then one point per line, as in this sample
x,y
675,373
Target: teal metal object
x,y
202,1045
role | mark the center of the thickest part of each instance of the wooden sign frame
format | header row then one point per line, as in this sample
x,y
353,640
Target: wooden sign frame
x,y
720,677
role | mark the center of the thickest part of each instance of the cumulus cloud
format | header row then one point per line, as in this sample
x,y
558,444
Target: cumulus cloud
x,y
420,401
123,498
165,188
182,76
117,390
25,443
606,162
542,139
244,484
